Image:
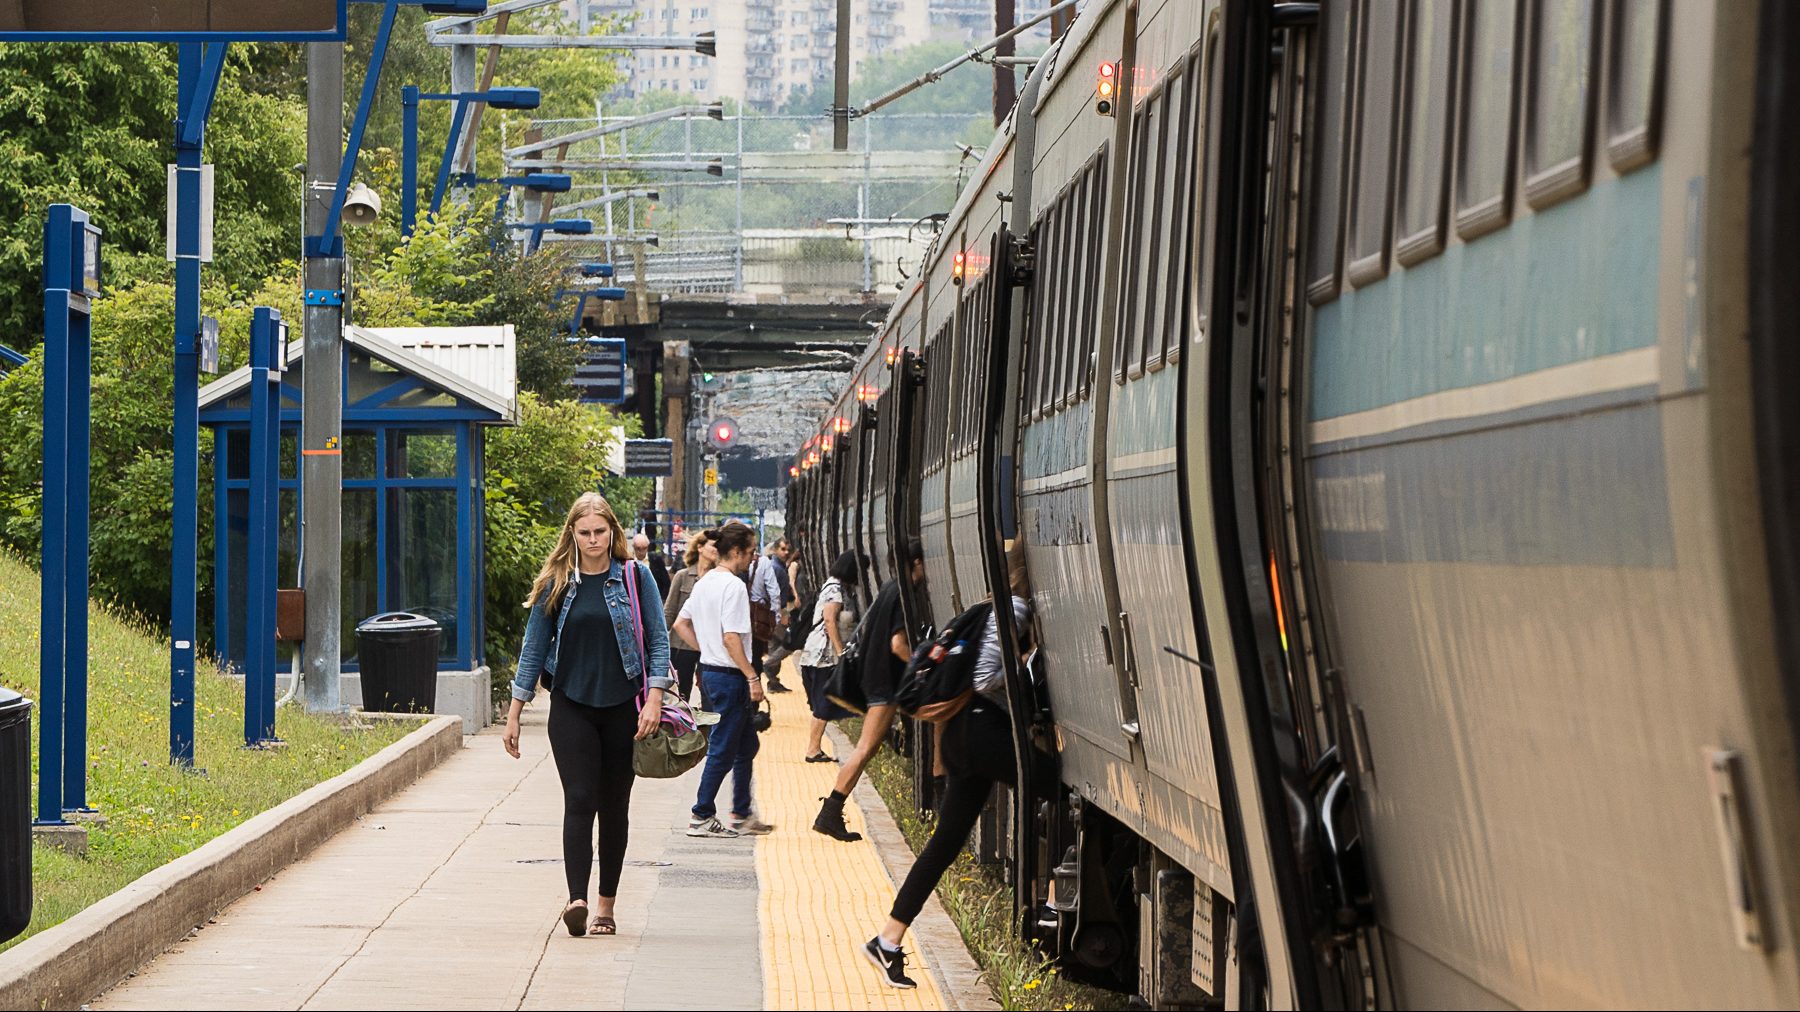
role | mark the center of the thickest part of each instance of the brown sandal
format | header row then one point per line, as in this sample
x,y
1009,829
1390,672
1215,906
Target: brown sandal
x,y
603,925
574,917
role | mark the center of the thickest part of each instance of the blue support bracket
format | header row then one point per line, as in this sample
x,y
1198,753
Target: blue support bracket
x,y
330,243
197,99
324,296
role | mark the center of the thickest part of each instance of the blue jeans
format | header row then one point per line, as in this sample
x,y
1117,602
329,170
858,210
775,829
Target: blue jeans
x,y
733,743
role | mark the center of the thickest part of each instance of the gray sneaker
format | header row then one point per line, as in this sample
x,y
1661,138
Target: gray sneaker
x,y
751,826
711,827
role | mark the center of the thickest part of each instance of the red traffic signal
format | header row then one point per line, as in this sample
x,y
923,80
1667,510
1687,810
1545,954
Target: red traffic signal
x,y
1106,88
721,433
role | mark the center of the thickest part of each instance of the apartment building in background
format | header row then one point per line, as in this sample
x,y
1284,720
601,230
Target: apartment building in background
x,y
770,49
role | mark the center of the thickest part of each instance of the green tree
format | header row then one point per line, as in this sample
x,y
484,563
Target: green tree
x,y
92,126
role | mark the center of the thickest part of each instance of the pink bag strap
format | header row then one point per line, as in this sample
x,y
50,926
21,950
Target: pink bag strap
x,y
676,716
637,628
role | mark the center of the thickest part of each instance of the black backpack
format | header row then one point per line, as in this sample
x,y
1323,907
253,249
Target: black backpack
x,y
940,679
800,624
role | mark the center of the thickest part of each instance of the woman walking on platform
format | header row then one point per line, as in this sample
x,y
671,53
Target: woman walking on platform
x,y
701,556
587,605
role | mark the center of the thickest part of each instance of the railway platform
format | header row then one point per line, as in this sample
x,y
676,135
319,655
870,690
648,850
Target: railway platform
x,y
448,896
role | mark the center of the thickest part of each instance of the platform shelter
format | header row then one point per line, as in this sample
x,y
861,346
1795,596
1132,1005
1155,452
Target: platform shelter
x,y
416,403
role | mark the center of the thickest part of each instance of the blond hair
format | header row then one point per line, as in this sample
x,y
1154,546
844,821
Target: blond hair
x,y
695,542
559,568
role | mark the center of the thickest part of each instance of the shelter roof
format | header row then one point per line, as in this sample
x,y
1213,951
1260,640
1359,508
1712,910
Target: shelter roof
x,y
475,364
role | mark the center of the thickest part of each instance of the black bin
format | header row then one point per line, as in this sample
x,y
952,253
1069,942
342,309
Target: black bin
x,y
15,813
398,654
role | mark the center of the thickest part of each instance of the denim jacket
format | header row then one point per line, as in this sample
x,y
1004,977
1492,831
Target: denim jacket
x,y
537,656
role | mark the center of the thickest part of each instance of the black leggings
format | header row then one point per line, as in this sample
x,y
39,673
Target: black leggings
x,y
978,752
685,661
593,748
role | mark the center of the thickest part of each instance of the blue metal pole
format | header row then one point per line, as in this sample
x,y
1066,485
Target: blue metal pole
x,y
263,534
184,561
409,159
443,176
52,623
75,612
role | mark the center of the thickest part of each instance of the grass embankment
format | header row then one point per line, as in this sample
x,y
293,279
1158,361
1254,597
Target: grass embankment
x,y
980,901
155,812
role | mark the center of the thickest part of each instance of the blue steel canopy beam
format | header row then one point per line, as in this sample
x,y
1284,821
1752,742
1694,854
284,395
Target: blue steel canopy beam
x,y
328,242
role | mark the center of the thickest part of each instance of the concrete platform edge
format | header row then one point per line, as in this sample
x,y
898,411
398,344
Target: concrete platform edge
x,y
946,954
67,965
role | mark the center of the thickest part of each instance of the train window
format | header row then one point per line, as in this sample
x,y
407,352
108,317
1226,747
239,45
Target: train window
x,y
1141,246
1130,249
1094,184
1430,58
1178,148
1071,339
1160,222
1053,310
1188,233
1559,112
1088,292
1034,328
1635,84
1324,229
1484,154
1068,238
1372,186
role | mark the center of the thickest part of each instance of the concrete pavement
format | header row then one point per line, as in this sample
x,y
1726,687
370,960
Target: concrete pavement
x,y
448,897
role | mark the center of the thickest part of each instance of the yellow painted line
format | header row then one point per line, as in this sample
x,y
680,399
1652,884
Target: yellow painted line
x,y
820,899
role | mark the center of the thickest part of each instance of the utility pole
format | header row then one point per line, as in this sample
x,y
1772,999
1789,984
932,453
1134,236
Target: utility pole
x,y
840,92
1006,90
322,406
675,423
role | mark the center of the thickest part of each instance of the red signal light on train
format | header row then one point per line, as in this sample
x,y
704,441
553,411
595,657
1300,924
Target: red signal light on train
x,y
794,472
840,425
1107,87
958,264
893,353
869,391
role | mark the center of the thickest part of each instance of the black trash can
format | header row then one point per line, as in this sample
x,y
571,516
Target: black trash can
x,y
398,654
15,813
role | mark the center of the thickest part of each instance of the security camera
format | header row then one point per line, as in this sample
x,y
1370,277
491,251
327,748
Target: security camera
x,y
361,206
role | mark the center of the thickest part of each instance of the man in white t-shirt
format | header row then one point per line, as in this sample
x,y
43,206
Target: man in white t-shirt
x,y
717,618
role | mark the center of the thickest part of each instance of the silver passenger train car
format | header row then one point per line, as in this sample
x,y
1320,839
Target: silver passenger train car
x,y
1393,400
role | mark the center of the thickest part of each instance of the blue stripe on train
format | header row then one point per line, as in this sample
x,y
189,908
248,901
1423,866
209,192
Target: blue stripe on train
x,y
1573,282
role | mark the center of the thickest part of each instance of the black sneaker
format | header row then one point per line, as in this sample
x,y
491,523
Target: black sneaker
x,y
891,964
774,685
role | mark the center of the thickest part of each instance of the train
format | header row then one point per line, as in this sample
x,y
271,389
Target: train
x,y
1393,402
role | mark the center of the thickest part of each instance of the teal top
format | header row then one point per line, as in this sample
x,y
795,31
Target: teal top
x,y
590,670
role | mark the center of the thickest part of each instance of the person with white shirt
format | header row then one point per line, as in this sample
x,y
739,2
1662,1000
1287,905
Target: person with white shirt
x,y
716,617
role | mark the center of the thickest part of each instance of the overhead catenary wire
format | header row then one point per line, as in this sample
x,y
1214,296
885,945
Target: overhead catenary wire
x,y
974,54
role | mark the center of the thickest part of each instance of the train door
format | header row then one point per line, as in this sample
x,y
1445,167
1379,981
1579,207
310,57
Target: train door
x,y
1299,897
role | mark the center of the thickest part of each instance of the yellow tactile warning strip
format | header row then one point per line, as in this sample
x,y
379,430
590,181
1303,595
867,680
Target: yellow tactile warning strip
x,y
821,899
